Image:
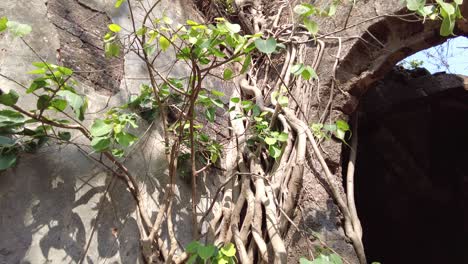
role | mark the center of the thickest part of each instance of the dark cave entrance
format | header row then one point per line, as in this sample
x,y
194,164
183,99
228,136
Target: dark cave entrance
x,y
412,168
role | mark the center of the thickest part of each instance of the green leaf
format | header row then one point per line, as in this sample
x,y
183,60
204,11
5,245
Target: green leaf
x,y
217,102
36,84
153,34
448,8
283,101
227,74
141,31
77,102
233,28
266,46
427,10
217,93
305,261
458,14
167,20
229,250
274,151
109,37
304,9
125,139
43,102
206,252
7,161
101,128
213,157
332,8
3,23
323,259
343,125
65,71
37,71
112,50
40,64
191,23
414,5
297,69
311,26
10,98
59,104
118,152
9,118
100,144
235,100
283,137
270,140
335,259
114,28
192,247
246,64
330,127
118,3
247,105
6,141
223,260
308,73
164,43
256,111
210,114
149,49
447,26
340,134
192,259
64,135
18,29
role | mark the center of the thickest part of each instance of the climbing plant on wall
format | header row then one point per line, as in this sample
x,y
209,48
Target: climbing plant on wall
x,y
269,135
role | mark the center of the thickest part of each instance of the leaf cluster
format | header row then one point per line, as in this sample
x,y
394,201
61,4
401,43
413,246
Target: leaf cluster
x,y
16,136
111,43
55,93
112,132
447,12
16,28
307,11
200,253
323,259
338,130
263,133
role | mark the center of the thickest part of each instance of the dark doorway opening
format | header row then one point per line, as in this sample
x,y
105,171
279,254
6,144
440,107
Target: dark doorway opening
x,y
412,169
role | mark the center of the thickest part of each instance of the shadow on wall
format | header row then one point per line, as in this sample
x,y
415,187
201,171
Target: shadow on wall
x,y
50,203
412,169
49,208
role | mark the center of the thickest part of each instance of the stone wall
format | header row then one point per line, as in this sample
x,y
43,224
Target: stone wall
x,y
57,204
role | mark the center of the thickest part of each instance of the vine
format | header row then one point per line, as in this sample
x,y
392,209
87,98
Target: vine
x,y
264,155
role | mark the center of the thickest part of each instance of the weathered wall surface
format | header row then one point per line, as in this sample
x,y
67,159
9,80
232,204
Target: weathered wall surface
x,y
371,43
58,202
55,202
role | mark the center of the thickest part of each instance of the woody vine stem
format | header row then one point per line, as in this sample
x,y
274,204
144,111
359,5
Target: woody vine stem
x,y
263,160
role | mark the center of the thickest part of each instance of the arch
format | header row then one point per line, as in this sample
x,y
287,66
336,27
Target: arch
x,y
381,46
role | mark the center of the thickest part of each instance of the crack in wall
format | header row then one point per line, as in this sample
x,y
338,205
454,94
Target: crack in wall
x,y
80,29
